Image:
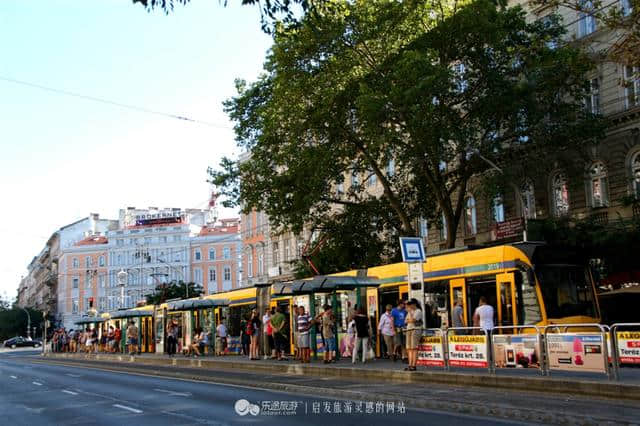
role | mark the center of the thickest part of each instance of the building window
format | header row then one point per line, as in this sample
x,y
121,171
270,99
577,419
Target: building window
x,y
598,185
75,282
355,179
163,239
101,261
460,82
226,253
586,22
148,240
372,180
592,100
212,275
528,200
470,221
227,273
102,281
391,167
626,7
286,246
74,307
75,262
87,281
212,254
261,264
177,238
197,276
560,194
198,254
631,86
276,254
635,173
340,188
443,228
119,242
423,227
497,209
87,262
250,264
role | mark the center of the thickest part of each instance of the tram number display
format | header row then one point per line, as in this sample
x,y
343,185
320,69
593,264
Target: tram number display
x,y
628,343
576,352
431,351
468,351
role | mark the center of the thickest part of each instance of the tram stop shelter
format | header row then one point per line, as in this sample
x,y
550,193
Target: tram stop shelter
x,y
198,313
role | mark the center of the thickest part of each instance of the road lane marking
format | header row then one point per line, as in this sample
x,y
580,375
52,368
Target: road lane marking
x,y
13,377
174,393
69,392
37,384
124,407
73,375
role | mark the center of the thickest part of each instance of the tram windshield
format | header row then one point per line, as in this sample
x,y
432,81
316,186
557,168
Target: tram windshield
x,y
566,290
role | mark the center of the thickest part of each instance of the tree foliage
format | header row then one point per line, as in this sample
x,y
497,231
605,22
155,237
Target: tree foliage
x,y
426,86
173,290
13,322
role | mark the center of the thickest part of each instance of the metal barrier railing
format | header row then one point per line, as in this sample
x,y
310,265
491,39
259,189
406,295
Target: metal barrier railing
x,y
603,333
497,334
615,345
466,340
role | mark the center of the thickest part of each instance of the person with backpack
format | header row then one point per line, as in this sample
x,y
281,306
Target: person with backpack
x,y
413,321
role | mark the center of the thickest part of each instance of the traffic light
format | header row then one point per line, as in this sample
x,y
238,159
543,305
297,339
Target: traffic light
x,y
90,302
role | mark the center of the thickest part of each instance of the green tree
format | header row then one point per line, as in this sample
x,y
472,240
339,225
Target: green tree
x,y
173,290
13,322
433,87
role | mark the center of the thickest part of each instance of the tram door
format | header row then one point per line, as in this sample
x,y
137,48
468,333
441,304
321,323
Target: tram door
x,y
506,299
160,328
458,291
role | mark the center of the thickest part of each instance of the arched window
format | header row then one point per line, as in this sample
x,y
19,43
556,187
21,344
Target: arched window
x,y
528,200
443,228
250,263
497,209
560,194
598,185
635,174
470,216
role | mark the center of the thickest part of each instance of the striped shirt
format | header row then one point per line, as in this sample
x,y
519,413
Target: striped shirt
x,y
303,323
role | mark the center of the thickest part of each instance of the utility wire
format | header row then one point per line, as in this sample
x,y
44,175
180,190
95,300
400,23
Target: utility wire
x,y
112,103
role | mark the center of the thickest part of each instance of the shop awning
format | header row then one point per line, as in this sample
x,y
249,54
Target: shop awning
x,y
131,313
194,304
328,284
89,320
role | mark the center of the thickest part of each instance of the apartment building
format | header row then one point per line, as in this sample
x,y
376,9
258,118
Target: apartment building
x,y
216,255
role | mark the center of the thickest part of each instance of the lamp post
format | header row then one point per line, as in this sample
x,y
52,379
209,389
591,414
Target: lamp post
x,y
122,280
186,285
28,323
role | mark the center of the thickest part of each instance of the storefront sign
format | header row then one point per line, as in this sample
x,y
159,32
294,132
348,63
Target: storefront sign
x,y
628,346
508,229
520,351
431,351
468,351
576,352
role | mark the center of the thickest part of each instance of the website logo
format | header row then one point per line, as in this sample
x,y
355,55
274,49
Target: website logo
x,y
244,407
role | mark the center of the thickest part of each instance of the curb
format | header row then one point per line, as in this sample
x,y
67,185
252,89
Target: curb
x,y
620,391
492,410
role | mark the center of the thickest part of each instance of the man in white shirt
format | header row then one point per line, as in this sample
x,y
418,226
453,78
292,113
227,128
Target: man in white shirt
x,y
483,316
266,323
221,338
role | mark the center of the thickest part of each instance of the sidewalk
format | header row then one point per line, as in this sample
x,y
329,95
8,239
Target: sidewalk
x,y
530,380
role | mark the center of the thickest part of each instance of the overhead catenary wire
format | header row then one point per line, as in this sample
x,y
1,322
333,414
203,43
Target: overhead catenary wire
x,y
113,103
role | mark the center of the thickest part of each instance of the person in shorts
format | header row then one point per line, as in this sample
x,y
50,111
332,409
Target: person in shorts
x,y
399,313
304,326
278,326
328,321
132,338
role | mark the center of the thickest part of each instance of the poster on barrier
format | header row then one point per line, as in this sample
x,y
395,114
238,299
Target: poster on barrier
x,y
628,347
468,351
516,351
431,351
576,352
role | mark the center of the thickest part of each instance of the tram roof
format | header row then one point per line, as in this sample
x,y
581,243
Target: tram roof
x,y
131,313
90,320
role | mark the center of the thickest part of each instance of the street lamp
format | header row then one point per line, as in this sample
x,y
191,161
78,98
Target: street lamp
x,y
186,285
28,323
122,280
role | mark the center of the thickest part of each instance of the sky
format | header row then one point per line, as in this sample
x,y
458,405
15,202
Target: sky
x,y
63,157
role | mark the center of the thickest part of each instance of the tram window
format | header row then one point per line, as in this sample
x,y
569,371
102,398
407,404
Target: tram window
x,y
566,290
527,300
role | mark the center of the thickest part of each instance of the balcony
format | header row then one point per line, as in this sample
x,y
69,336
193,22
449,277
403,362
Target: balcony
x,y
636,210
600,218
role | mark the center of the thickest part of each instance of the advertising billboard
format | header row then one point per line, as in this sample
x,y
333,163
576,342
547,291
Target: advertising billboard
x,y
576,352
468,351
628,347
516,351
431,351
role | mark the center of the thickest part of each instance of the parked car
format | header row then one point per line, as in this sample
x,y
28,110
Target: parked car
x,y
18,341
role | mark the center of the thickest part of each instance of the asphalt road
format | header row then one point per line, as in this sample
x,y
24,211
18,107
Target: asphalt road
x,y
42,394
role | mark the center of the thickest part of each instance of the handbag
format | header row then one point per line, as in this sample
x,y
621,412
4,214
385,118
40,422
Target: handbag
x,y
370,353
